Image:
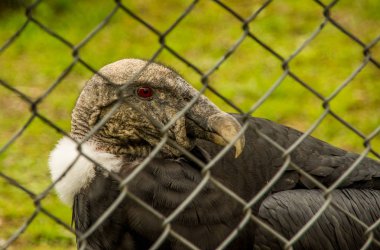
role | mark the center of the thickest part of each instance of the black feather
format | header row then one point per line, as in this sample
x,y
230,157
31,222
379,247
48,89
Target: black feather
x,y
212,215
288,211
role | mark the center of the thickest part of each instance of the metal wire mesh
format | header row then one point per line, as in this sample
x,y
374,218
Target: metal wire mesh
x,y
247,34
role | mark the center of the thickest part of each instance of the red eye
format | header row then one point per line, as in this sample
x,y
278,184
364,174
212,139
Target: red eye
x,y
144,92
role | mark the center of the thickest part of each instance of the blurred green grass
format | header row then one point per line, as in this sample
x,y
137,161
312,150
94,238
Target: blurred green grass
x,y
35,60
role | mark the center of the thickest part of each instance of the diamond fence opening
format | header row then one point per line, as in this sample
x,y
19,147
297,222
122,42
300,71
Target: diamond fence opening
x,y
313,65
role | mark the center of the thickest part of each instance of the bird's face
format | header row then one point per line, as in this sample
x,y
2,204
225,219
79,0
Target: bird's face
x,y
150,100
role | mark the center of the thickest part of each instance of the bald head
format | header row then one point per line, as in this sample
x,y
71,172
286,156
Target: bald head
x,y
160,93
123,71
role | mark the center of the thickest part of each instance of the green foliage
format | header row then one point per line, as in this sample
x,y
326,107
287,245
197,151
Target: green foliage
x,y
35,60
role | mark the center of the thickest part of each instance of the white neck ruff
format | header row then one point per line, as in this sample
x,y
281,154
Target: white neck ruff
x,y
82,171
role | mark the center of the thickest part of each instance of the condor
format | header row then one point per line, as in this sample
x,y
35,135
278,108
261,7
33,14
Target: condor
x,y
129,136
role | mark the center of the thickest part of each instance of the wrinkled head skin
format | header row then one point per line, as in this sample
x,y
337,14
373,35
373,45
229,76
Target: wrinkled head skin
x,y
128,131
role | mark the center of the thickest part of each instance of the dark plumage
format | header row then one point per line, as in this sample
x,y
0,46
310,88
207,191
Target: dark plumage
x,y
288,211
170,177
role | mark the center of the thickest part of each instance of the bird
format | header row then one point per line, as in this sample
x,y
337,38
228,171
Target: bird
x,y
118,118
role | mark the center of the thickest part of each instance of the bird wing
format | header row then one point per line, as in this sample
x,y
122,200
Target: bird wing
x,y
288,211
261,160
321,160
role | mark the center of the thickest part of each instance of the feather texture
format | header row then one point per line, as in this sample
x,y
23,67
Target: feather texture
x,y
82,170
134,129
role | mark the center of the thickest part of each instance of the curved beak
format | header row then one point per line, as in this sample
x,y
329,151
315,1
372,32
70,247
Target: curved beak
x,y
227,127
214,125
204,120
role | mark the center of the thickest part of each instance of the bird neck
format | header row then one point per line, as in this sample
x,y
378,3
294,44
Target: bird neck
x,y
112,145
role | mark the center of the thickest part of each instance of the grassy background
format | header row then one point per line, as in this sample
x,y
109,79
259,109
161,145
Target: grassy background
x,y
35,60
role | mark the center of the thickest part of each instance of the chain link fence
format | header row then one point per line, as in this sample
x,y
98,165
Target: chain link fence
x,y
246,34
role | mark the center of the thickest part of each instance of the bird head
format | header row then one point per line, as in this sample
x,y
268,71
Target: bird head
x,y
149,92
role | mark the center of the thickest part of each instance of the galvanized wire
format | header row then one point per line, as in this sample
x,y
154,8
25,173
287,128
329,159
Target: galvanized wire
x,y
207,178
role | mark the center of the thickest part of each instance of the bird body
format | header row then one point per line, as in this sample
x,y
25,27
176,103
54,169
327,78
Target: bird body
x,y
127,138
288,211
